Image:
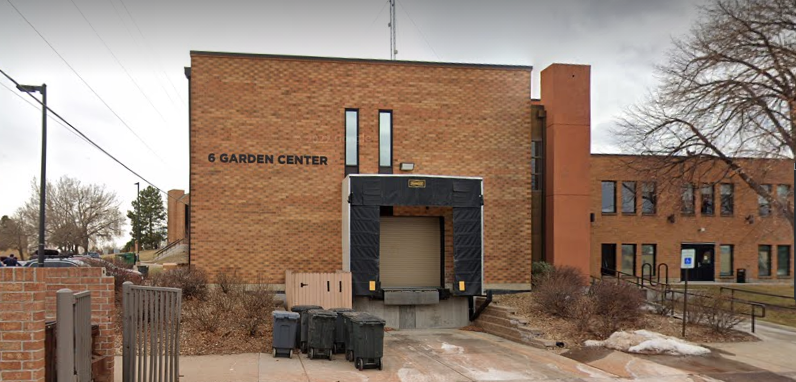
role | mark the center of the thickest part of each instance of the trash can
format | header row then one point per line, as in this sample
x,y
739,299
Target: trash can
x,y
301,334
348,333
143,270
284,333
740,275
367,341
339,332
320,333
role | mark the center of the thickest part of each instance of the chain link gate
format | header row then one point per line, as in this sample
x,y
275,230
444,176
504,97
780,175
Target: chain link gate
x,y
151,333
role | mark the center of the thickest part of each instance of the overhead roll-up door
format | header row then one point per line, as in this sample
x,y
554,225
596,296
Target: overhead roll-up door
x,y
409,252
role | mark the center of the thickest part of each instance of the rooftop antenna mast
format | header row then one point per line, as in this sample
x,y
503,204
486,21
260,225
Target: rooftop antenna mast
x,y
393,46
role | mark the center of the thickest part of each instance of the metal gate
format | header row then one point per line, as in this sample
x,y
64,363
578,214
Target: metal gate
x,y
151,333
73,336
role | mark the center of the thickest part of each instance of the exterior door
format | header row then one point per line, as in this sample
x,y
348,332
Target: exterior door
x,y
704,266
608,263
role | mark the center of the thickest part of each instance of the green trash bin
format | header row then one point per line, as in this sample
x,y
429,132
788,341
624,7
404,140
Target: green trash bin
x,y
301,334
127,258
339,331
320,333
284,333
367,341
348,332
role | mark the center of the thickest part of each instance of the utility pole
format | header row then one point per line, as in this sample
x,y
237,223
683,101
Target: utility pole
x,y
43,188
793,263
138,223
393,44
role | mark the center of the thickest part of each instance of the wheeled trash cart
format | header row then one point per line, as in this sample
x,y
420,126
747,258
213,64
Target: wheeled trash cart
x,y
284,333
367,341
301,334
320,333
339,330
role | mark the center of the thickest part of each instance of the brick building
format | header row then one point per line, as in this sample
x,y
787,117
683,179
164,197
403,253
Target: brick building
x,y
438,167
647,212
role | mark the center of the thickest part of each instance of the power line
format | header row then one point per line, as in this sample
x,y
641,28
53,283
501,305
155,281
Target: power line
x,y
86,83
118,62
419,30
87,139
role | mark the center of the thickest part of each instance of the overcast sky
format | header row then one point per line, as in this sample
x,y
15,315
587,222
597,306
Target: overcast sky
x,y
132,54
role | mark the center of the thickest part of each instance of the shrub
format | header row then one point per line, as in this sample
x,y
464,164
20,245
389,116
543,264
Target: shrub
x,y
714,311
558,289
616,305
539,269
257,305
229,282
118,270
193,282
583,311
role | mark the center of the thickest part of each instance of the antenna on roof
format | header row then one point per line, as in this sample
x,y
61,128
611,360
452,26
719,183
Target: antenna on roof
x,y
393,46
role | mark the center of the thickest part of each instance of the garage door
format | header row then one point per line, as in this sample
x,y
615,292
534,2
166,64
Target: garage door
x,y
409,252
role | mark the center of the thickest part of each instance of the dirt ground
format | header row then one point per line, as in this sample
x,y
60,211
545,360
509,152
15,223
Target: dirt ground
x,y
560,329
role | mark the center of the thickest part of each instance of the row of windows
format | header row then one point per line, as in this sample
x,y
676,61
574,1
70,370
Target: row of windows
x,y
352,141
726,259
649,198
707,199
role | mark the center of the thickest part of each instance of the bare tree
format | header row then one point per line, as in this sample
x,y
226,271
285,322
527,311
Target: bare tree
x,y
77,214
728,92
13,235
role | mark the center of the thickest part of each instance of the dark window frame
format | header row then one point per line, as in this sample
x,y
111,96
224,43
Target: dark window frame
x,y
762,203
692,204
386,169
622,258
702,205
654,257
350,169
602,197
731,200
770,254
786,269
635,197
536,176
653,199
731,257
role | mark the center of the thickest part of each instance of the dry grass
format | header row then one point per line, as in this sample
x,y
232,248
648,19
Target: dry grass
x,y
567,331
778,316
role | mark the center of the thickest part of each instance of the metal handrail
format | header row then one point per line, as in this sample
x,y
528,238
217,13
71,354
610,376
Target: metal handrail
x,y
751,304
776,306
168,246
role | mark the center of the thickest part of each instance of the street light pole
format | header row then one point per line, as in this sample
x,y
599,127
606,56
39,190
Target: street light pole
x,y
43,188
138,223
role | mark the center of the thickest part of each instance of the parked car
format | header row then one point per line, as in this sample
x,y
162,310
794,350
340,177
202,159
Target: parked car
x,y
57,263
93,255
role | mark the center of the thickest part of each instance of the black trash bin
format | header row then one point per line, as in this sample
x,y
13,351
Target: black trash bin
x,y
284,333
339,331
367,341
301,334
348,333
320,333
740,275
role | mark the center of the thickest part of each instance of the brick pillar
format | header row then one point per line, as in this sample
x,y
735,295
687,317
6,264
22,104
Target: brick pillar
x,y
21,325
566,94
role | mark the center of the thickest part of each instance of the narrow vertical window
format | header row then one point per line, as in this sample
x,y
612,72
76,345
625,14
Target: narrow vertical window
x,y
783,260
764,260
351,141
726,260
783,194
708,200
648,198
687,208
629,197
648,257
385,142
629,259
764,207
727,191
536,165
609,197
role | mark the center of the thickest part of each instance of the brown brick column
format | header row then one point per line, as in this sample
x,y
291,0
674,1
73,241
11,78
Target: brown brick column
x,y
21,325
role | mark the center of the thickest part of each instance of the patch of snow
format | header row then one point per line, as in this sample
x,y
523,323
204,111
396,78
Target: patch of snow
x,y
647,342
448,348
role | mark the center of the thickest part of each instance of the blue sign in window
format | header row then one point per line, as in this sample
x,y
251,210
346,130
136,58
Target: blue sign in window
x,y
687,261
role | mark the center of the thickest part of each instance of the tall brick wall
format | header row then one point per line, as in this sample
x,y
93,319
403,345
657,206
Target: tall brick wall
x,y
36,290
668,228
176,203
448,120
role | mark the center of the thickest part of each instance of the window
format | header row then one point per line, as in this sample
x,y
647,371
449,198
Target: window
x,y
648,198
536,165
783,193
629,258
707,199
688,200
725,260
609,197
783,260
385,142
648,257
764,260
629,197
351,141
764,207
727,195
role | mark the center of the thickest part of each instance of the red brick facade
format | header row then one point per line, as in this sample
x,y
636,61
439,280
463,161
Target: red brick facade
x,y
264,218
668,228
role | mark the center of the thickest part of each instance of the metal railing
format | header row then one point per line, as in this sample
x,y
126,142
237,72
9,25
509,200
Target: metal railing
x,y
756,310
770,305
73,336
169,246
151,333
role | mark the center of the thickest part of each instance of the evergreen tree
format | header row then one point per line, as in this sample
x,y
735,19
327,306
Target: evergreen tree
x,y
153,219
